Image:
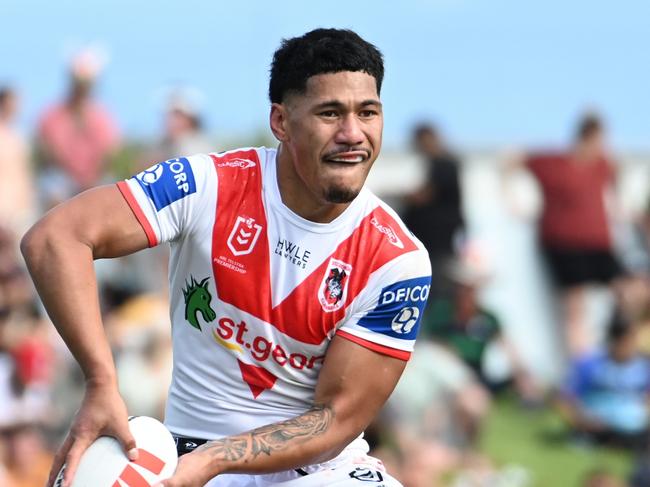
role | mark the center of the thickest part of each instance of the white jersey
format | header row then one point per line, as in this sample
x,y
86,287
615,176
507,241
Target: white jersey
x,y
257,292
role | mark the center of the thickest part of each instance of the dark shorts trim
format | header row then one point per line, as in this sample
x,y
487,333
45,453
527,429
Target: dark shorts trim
x,y
576,267
186,445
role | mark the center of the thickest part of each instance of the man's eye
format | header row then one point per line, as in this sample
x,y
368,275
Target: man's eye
x,y
367,113
328,113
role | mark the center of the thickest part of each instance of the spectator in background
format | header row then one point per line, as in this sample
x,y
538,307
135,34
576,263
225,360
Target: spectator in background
x,y
472,332
600,477
138,332
16,293
607,394
77,136
183,128
17,209
183,135
26,457
434,415
26,365
574,226
433,212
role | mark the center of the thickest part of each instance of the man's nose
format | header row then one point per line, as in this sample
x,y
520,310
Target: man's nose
x,y
350,132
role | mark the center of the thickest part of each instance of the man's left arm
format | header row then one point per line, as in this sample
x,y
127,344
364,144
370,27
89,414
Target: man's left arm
x,y
353,385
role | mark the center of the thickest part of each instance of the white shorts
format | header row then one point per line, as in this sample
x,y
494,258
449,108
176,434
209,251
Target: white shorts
x,y
353,471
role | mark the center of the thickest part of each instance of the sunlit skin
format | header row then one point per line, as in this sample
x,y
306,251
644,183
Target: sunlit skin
x,y
330,136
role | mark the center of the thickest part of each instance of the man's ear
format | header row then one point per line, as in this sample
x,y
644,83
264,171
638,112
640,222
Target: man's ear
x,y
278,121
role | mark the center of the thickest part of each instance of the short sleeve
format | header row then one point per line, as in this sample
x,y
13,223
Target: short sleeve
x,y
535,163
386,315
167,197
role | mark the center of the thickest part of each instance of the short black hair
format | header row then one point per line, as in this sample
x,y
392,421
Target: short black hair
x,y
6,92
424,128
589,125
321,51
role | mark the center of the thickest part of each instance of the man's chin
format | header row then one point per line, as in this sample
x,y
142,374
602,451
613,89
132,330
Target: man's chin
x,y
340,195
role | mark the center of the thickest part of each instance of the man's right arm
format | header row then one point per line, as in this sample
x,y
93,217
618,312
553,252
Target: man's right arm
x,y
59,251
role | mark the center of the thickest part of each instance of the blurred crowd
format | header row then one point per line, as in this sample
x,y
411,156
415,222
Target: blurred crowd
x,y
465,358
77,145
465,361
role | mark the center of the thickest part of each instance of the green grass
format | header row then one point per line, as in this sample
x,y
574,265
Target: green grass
x,y
534,439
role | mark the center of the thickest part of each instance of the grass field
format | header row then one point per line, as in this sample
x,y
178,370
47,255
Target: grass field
x,y
535,439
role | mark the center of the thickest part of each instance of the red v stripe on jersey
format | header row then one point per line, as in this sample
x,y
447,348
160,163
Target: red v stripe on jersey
x,y
367,249
244,281
241,280
258,378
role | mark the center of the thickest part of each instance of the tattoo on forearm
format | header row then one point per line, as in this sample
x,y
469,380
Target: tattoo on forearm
x,y
272,438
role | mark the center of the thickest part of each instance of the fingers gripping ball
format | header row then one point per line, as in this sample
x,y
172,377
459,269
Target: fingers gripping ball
x,y
104,463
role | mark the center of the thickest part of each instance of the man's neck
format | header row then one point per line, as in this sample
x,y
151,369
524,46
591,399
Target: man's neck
x,y
296,196
585,153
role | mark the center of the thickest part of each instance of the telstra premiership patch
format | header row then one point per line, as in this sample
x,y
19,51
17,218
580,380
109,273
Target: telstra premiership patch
x,y
399,309
167,182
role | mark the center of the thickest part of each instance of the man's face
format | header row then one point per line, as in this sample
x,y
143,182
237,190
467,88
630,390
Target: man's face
x,y
332,135
9,108
626,348
428,143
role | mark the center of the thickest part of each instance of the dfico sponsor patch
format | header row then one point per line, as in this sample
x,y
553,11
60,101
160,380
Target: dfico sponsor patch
x,y
399,309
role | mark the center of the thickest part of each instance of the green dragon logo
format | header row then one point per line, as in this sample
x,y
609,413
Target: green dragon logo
x,y
197,300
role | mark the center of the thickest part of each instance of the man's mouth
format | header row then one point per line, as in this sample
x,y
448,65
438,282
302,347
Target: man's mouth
x,y
350,157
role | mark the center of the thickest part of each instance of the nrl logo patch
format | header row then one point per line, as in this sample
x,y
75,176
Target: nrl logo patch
x,y
334,287
243,236
197,300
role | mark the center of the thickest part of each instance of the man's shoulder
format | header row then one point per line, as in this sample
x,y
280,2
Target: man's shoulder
x,y
447,160
593,360
547,158
52,115
239,159
251,153
387,221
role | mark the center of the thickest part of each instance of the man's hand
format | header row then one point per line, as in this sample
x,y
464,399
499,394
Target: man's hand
x,y
102,413
193,470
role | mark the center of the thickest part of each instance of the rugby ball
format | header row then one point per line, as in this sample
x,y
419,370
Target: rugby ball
x,y
104,463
